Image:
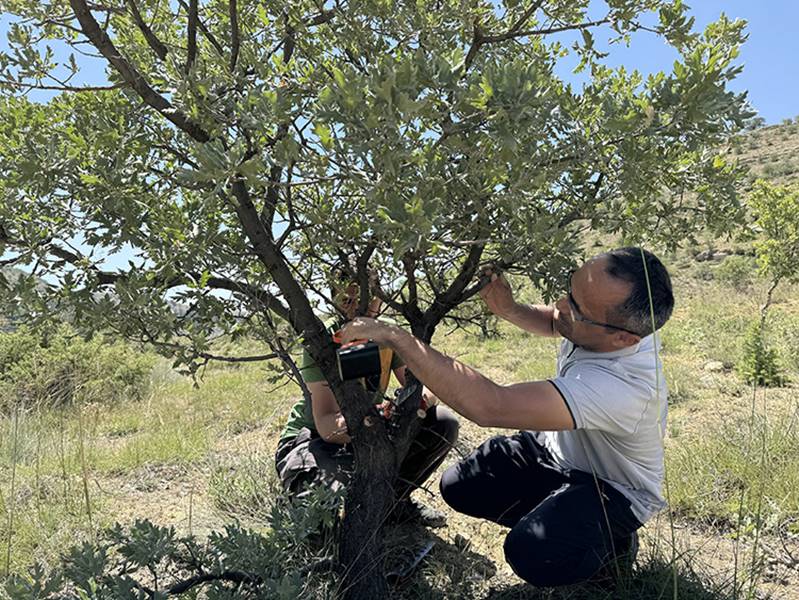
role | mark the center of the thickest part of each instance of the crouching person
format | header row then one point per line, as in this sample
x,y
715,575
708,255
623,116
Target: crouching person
x,y
314,447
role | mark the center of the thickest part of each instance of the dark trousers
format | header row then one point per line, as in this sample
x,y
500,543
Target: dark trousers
x,y
307,460
565,524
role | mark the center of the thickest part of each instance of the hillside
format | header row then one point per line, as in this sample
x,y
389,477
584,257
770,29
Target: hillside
x,y
771,153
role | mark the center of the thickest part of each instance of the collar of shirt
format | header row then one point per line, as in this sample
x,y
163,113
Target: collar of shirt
x,y
569,352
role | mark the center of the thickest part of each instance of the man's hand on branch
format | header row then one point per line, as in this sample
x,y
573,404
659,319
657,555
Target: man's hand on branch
x,y
497,294
364,328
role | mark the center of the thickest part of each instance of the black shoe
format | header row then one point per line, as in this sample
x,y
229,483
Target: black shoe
x,y
619,566
409,512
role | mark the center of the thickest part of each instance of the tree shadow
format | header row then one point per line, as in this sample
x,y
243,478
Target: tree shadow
x,y
450,570
453,571
653,581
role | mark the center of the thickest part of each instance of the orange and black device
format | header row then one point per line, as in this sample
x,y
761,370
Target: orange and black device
x,y
358,359
363,358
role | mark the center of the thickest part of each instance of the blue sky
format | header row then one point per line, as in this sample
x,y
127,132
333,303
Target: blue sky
x,y
769,56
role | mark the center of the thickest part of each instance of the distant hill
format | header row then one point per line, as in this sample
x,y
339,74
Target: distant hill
x,y
770,153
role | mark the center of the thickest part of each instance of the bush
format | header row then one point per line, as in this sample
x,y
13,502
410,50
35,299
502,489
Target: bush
x,y
292,558
737,271
57,367
704,272
759,364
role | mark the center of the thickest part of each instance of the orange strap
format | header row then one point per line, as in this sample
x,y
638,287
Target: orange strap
x,y
385,367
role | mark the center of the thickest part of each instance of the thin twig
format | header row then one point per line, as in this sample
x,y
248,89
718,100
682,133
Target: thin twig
x,y
64,88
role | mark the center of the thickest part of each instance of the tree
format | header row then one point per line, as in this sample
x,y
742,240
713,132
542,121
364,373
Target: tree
x,y
242,147
776,218
775,209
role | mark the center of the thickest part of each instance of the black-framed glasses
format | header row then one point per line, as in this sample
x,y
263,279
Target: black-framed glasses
x,y
578,316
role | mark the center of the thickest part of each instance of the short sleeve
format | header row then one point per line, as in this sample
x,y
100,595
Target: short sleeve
x,y
309,370
601,399
396,361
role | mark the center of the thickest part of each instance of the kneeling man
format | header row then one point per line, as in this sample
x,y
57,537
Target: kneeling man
x,y
586,469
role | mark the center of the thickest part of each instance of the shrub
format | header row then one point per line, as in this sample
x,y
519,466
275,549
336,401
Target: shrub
x,y
737,271
759,364
289,560
57,367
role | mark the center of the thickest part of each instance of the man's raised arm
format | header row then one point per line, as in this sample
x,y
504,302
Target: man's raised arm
x,y
538,319
536,405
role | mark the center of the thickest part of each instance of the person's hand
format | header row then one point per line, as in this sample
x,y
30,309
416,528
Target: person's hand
x,y
386,408
497,294
364,328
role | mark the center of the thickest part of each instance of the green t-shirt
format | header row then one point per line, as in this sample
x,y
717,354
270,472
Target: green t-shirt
x,y
301,414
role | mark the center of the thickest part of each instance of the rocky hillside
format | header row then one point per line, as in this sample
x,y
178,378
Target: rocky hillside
x,y
771,153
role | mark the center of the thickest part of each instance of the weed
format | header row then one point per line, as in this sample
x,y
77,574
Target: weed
x,y
759,364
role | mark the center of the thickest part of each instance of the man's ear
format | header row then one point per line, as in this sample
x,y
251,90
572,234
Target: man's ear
x,y
624,339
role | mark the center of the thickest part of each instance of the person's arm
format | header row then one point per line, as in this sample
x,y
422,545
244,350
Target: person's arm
x,y
329,421
534,405
428,396
538,319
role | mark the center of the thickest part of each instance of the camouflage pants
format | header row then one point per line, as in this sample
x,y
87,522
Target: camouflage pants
x,y
307,460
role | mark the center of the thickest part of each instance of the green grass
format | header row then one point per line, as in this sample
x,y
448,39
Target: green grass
x,y
743,465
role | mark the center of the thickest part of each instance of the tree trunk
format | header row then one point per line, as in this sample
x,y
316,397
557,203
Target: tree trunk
x,y
370,496
370,493
767,304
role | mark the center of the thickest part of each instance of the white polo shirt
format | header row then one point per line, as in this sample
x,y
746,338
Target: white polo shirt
x,y
619,404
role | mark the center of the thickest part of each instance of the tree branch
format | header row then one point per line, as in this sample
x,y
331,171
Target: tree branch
x,y
323,17
443,303
273,190
152,40
207,356
64,88
479,38
234,34
389,301
191,42
532,32
262,297
208,35
232,576
477,41
288,38
103,43
362,276
292,224
300,313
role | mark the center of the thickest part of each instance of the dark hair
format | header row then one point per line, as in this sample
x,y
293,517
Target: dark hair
x,y
340,276
636,313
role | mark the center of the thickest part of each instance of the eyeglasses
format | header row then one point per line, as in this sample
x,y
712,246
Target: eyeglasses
x,y
578,316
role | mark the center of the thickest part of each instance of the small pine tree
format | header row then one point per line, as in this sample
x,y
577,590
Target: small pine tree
x,y
759,364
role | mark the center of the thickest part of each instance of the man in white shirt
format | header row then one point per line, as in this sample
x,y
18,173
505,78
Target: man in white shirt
x,y
586,470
